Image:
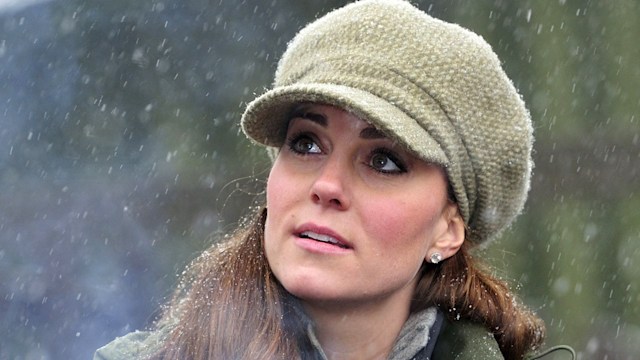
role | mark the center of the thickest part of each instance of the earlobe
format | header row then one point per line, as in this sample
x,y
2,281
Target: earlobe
x,y
451,238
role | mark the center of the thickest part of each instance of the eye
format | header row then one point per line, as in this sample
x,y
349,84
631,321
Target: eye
x,y
385,162
303,144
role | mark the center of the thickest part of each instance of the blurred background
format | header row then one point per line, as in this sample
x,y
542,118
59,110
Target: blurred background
x,y
121,158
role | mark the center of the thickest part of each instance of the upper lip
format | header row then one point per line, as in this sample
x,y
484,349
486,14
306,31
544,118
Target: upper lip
x,y
322,231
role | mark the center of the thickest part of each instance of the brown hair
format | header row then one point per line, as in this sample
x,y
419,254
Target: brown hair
x,y
230,306
464,290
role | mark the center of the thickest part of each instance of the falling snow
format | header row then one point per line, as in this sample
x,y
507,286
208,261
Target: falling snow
x,y
121,158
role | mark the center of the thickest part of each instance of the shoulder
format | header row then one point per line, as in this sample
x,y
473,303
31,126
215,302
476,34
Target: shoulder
x,y
464,340
135,345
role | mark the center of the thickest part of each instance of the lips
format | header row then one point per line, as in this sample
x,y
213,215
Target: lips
x,y
323,235
322,238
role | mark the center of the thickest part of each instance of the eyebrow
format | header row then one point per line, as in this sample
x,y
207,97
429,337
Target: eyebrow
x,y
313,117
368,133
371,133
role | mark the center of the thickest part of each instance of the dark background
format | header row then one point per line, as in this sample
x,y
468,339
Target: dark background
x,y
121,156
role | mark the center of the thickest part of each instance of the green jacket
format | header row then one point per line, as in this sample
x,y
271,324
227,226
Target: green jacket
x,y
456,340
465,341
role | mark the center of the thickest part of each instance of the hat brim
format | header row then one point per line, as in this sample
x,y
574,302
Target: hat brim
x,y
266,118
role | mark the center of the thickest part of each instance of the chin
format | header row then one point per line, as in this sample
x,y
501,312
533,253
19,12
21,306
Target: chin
x,y
307,289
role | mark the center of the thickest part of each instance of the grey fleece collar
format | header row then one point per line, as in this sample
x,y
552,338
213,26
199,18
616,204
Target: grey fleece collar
x,y
413,338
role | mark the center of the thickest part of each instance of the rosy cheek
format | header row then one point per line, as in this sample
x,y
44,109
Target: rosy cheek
x,y
386,221
399,222
272,189
276,183
283,191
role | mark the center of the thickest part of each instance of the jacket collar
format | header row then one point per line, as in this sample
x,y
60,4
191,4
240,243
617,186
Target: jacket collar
x,y
417,336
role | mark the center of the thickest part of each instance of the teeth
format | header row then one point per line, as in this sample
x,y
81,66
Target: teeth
x,y
320,237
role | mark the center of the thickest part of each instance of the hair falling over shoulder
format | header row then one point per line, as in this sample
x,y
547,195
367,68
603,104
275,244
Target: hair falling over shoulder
x,y
463,290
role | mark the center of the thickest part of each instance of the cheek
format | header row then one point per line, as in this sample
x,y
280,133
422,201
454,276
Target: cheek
x,y
282,194
387,219
275,209
277,183
397,223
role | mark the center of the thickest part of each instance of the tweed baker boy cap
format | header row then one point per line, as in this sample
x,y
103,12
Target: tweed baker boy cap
x,y
436,88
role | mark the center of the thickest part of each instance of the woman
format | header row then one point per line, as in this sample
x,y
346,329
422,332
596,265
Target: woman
x,y
399,146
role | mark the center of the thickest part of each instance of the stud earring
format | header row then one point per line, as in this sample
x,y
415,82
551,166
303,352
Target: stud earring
x,y
435,258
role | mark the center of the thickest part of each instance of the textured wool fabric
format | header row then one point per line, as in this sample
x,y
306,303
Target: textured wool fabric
x,y
435,87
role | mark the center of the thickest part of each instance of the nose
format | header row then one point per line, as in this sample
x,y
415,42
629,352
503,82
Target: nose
x,y
331,186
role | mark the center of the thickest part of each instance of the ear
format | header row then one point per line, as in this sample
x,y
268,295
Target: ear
x,y
450,235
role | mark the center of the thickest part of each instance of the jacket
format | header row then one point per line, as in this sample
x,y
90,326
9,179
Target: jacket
x,y
426,335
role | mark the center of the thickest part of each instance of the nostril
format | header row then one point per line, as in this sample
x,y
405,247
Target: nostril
x,y
327,200
329,188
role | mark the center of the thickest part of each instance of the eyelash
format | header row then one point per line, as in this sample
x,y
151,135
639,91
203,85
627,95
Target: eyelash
x,y
293,140
390,154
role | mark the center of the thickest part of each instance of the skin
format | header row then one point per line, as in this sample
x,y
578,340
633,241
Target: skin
x,y
337,178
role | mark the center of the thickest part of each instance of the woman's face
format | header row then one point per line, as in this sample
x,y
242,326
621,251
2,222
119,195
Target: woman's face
x,y
351,214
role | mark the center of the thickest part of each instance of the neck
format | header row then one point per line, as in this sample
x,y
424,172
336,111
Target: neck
x,y
357,331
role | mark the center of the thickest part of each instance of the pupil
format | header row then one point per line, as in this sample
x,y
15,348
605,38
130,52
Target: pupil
x,y
379,161
305,145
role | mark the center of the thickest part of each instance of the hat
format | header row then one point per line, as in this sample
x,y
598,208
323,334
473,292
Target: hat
x,y
435,87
